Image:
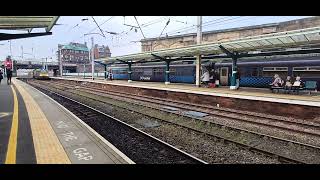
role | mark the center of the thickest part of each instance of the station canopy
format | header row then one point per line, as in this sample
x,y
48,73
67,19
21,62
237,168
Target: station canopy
x,y
253,44
26,23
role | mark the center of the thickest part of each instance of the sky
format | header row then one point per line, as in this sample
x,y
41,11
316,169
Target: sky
x,y
120,32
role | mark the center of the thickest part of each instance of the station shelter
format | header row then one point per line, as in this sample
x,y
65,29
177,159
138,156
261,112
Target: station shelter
x,y
302,41
24,25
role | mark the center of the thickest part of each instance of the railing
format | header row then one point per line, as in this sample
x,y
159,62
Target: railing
x,y
84,74
36,63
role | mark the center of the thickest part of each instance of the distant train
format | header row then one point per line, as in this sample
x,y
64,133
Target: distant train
x,y
260,74
253,73
40,74
179,73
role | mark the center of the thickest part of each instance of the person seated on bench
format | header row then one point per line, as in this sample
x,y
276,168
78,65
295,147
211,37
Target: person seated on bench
x,y
298,84
277,83
288,83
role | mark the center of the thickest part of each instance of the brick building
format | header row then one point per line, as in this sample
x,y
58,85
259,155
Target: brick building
x,y
152,44
74,53
101,51
74,56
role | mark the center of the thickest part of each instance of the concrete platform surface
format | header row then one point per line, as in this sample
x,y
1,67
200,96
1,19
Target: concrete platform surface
x,y
36,129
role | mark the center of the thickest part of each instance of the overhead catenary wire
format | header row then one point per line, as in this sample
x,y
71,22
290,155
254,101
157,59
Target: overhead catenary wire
x,y
139,27
102,24
165,26
123,33
98,27
94,28
216,21
228,21
78,24
219,22
192,26
225,22
155,21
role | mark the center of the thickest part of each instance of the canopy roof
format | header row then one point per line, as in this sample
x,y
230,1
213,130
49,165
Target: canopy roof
x,y
288,39
27,22
77,48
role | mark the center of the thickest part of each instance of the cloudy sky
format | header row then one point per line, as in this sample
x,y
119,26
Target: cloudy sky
x,y
121,34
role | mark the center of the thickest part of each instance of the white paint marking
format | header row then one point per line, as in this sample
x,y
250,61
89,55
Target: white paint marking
x,y
4,114
61,124
127,159
69,136
82,154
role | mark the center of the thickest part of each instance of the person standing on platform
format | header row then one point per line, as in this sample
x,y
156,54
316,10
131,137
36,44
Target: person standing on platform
x,y
212,76
237,80
110,76
9,76
1,75
205,78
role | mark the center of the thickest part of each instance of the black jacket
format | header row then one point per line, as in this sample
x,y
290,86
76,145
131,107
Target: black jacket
x,y
9,73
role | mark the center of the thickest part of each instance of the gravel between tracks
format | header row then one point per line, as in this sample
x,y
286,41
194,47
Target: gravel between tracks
x,y
290,149
199,145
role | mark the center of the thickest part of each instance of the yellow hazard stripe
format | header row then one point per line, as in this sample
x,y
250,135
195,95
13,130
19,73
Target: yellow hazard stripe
x,y
12,146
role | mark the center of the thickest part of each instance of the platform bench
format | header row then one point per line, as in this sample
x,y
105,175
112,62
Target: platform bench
x,y
311,86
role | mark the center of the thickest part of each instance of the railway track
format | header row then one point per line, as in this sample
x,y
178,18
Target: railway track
x,y
280,157
293,126
139,146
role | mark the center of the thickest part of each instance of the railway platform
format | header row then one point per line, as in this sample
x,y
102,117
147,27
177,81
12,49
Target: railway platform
x,y
244,93
34,129
249,99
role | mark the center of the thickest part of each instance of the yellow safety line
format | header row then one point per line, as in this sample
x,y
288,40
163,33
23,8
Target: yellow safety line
x,y
12,146
47,146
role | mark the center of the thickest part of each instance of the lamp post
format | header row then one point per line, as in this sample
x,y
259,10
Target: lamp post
x,y
22,52
198,56
45,66
91,54
92,57
10,48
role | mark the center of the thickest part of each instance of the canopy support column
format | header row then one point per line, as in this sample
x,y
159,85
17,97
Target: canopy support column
x,y
129,72
167,74
198,70
234,78
105,71
235,81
